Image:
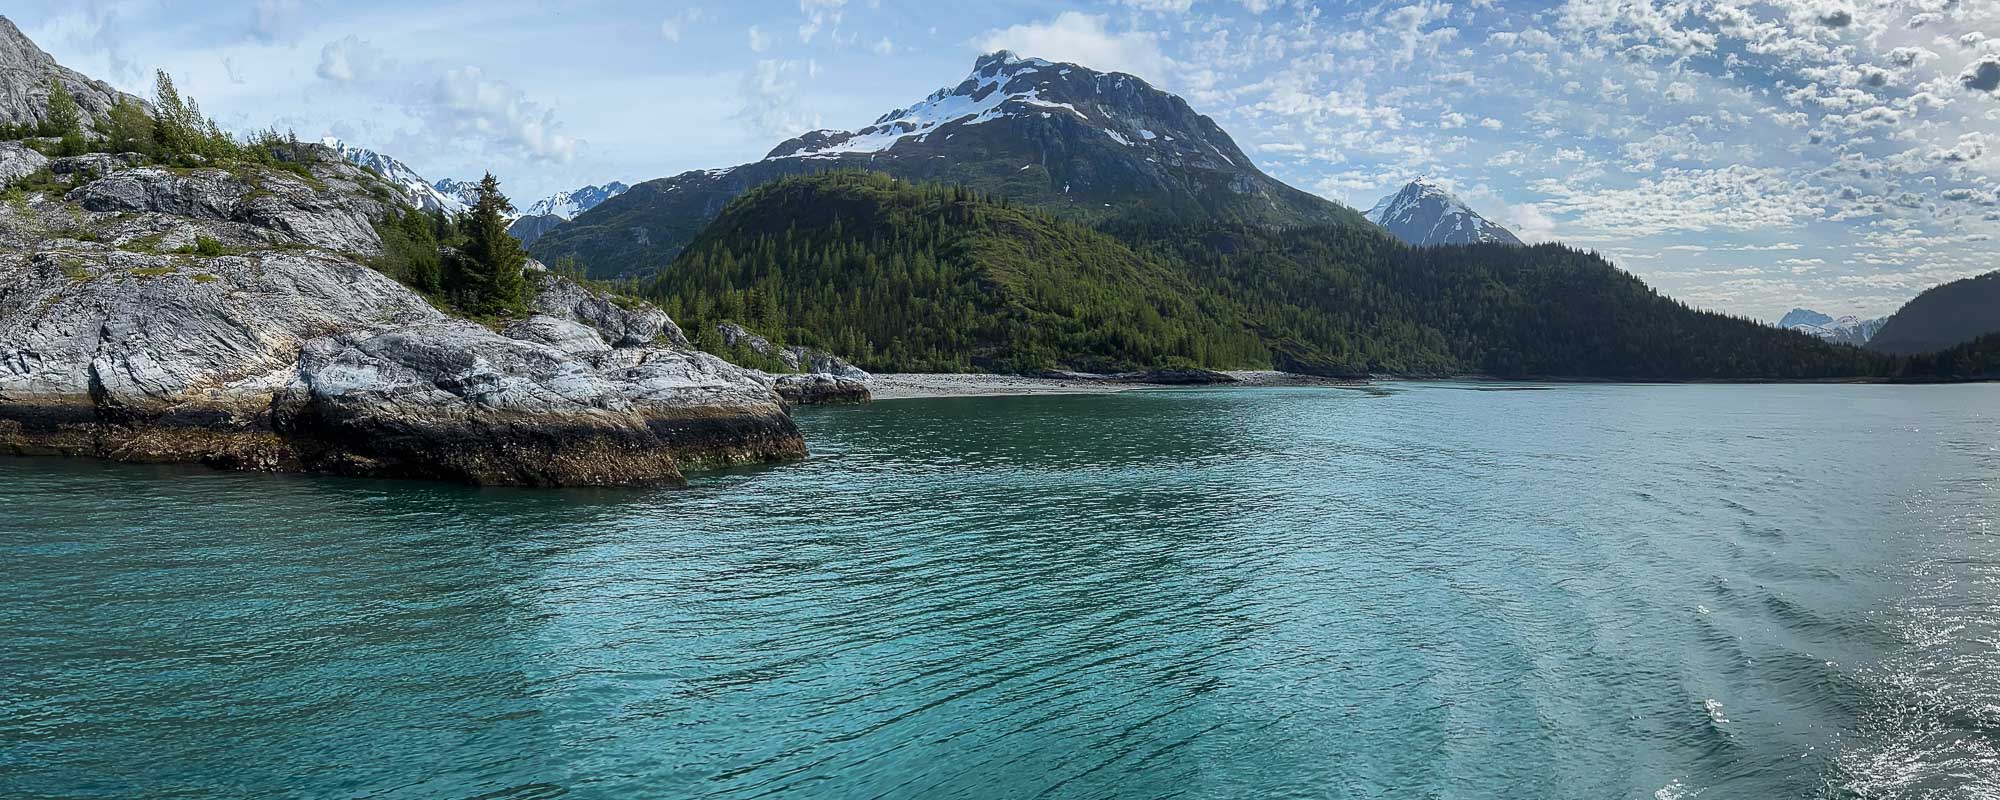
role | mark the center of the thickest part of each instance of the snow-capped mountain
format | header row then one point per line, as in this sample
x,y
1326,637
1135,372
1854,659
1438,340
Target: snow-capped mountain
x,y
1425,213
454,196
571,203
1085,145
464,192
1848,329
421,192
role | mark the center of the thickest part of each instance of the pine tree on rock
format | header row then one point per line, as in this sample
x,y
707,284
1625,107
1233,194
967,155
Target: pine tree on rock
x,y
494,257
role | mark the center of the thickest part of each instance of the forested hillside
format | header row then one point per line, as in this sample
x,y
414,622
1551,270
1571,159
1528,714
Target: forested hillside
x,y
903,277
1943,317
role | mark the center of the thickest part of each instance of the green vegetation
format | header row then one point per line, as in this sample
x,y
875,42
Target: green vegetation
x,y
899,277
64,121
489,269
207,247
469,265
906,278
1943,317
175,133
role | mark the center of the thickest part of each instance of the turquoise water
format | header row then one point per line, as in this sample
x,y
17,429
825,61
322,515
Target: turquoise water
x,y
1415,590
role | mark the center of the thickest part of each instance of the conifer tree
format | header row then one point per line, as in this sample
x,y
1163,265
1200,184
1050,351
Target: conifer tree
x,y
494,256
64,117
131,128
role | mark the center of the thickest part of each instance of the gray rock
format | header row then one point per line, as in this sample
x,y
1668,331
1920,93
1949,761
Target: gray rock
x,y
95,164
290,354
25,75
820,389
276,201
622,322
825,363
561,334
18,161
453,399
734,336
795,358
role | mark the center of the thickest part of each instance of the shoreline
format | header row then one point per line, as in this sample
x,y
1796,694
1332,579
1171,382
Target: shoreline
x,y
933,385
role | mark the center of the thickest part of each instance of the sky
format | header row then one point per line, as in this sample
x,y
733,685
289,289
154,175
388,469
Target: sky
x,y
1746,157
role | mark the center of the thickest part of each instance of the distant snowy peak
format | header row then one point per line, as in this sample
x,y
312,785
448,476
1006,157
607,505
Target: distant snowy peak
x,y
1424,213
567,205
1847,329
1005,87
421,193
465,193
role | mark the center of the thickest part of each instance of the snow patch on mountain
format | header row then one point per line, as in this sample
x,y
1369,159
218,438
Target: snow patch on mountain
x,y
1847,329
1425,213
571,203
1001,85
421,192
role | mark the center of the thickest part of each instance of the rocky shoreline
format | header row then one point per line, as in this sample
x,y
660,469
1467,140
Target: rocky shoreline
x,y
228,317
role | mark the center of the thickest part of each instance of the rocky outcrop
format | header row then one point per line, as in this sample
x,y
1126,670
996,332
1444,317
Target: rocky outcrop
x,y
285,205
18,161
227,316
521,412
26,74
821,389
795,358
621,321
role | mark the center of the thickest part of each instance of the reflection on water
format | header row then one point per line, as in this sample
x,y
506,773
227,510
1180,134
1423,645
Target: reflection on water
x,y
1412,590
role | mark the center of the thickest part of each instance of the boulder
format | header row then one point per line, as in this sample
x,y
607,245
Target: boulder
x,y
821,389
18,161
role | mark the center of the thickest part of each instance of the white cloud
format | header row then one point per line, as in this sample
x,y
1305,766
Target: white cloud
x,y
674,25
465,102
759,40
771,103
1161,6
1083,39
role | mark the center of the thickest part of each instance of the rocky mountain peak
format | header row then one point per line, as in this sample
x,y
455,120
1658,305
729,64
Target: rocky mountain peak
x,y
1425,213
1009,89
26,73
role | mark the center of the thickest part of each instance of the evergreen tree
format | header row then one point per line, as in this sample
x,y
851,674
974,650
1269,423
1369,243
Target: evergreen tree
x,y
64,117
493,256
131,128
65,120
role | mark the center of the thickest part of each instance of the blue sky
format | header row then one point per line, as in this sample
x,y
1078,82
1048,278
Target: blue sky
x,y
1742,156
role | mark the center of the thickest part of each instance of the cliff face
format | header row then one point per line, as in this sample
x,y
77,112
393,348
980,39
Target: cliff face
x,y
227,316
25,76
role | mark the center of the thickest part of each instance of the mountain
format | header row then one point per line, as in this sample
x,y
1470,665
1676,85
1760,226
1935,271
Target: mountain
x,y
545,214
1424,213
904,277
1848,330
1083,145
567,205
26,74
454,196
464,192
1943,317
420,191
